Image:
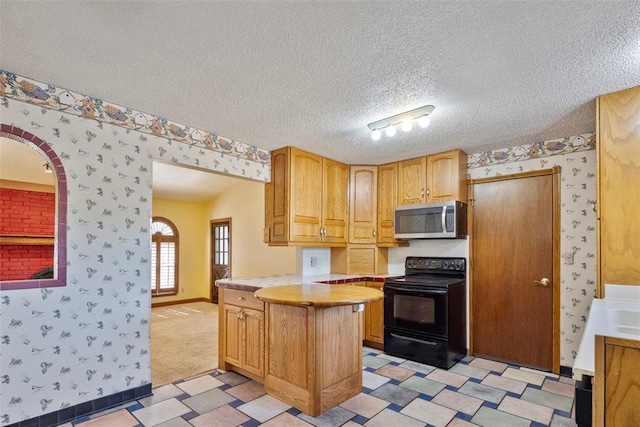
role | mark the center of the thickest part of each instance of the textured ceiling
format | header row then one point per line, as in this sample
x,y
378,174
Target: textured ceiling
x,y
313,74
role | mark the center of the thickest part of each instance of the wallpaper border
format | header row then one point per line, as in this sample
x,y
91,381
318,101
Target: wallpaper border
x,y
49,96
551,147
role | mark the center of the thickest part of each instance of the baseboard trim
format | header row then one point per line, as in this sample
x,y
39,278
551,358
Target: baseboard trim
x,y
85,409
566,371
182,301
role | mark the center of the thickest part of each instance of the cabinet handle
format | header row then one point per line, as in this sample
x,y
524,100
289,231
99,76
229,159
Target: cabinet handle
x,y
422,193
374,233
427,191
241,298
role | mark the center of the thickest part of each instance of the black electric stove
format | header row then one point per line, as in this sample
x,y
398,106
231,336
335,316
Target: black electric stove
x,y
425,311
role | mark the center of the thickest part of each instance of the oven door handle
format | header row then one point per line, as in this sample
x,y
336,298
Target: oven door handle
x,y
402,337
415,291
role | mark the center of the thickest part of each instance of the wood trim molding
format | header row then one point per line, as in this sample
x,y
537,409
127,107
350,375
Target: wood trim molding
x,y
182,301
541,172
26,240
556,269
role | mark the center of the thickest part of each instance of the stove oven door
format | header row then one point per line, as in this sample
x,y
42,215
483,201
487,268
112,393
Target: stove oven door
x,y
416,308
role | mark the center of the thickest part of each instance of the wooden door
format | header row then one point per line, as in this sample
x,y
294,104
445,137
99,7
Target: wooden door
x,y
387,199
220,253
619,188
446,176
412,180
363,201
306,196
514,246
335,184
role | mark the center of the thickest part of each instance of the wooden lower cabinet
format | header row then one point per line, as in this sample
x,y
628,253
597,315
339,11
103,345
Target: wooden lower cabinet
x,y
241,333
373,319
616,391
314,355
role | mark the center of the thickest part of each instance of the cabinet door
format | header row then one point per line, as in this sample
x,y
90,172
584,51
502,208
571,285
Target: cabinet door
x,y
233,335
277,197
446,176
374,317
306,196
387,199
363,200
616,391
412,181
618,131
335,184
254,342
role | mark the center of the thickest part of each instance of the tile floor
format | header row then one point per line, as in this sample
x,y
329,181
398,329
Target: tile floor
x,y
395,392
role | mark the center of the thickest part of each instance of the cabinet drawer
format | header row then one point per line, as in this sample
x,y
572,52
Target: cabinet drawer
x,y
242,299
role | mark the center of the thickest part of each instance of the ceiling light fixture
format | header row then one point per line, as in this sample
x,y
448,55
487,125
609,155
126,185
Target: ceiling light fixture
x,y
403,119
47,168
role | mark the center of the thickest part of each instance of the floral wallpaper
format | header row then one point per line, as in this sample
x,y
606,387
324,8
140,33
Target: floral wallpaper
x,y
63,346
578,220
51,97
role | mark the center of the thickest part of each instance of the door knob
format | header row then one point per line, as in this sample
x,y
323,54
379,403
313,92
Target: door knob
x,y
544,281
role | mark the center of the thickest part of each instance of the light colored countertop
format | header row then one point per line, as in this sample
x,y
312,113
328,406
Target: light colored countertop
x,y
255,283
605,317
318,295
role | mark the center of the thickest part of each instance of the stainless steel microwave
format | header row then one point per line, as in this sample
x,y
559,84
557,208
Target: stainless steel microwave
x,y
440,220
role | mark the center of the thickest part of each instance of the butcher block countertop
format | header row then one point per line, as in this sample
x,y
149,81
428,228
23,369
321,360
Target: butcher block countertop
x,y
318,295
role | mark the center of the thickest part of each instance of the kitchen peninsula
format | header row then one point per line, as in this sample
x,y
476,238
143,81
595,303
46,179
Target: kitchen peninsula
x,y
303,341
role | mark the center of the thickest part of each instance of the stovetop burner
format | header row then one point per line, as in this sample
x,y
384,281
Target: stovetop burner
x,y
431,272
424,281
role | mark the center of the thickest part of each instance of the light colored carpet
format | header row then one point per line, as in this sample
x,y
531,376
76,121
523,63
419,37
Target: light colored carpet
x,y
184,341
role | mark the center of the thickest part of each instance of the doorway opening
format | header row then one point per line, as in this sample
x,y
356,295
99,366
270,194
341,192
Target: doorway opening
x,y
220,253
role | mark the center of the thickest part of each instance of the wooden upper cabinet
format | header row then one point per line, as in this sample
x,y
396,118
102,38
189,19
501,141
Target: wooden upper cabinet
x,y
307,201
335,186
412,181
277,198
435,178
305,181
387,200
363,204
618,187
447,176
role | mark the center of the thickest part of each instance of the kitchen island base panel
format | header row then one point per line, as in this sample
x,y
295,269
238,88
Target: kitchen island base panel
x,y
314,355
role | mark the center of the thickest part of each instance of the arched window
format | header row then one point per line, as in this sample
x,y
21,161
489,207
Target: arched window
x,y
164,257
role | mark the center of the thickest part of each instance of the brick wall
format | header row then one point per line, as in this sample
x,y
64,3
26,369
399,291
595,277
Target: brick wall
x,y
25,213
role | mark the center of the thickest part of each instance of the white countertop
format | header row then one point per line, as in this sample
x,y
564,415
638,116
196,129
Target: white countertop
x,y
270,281
602,320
